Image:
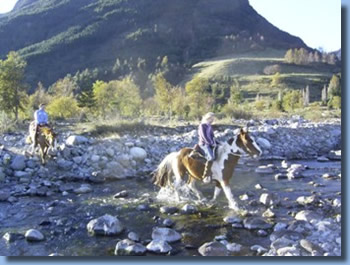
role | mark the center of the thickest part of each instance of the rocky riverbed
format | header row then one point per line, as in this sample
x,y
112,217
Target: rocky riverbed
x,y
94,196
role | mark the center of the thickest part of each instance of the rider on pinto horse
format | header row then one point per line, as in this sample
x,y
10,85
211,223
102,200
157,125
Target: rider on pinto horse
x,y
207,141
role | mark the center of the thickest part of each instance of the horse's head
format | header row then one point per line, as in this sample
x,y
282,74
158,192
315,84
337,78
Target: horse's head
x,y
244,143
50,136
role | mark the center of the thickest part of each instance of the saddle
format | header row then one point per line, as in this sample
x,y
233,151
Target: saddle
x,y
199,154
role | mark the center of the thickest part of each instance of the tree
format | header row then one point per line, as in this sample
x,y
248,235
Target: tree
x,y
334,87
63,108
66,87
84,80
40,96
163,93
104,94
127,98
301,56
289,56
179,103
236,95
306,96
164,62
12,87
199,98
324,97
276,80
317,57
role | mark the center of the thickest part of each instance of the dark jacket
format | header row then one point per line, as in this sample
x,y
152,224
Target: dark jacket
x,y
206,134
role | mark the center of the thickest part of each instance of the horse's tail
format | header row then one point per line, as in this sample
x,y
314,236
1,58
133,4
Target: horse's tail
x,y
161,176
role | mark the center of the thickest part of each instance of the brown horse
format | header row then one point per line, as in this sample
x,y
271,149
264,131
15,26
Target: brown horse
x,y
46,139
179,164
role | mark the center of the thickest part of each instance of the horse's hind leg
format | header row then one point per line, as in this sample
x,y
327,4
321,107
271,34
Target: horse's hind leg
x,y
177,178
192,186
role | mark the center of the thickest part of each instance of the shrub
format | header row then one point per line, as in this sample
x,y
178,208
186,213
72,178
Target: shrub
x,y
6,123
277,105
232,111
260,104
150,107
272,69
276,80
292,100
63,108
335,102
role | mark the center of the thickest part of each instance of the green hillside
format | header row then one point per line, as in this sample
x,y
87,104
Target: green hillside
x,y
58,37
248,70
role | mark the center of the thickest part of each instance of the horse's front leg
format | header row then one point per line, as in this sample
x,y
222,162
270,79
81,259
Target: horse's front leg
x,y
217,192
43,151
228,193
193,188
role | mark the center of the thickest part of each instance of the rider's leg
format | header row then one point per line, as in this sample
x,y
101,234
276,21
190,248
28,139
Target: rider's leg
x,y
210,157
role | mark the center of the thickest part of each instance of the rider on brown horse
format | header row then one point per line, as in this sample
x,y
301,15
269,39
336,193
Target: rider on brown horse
x,y
40,120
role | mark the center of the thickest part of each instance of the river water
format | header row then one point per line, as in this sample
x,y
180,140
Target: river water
x,y
63,219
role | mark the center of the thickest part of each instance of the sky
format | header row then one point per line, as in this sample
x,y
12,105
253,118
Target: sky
x,y
316,22
6,5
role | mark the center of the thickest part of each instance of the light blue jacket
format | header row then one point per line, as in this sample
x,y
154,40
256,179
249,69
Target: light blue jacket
x,y
41,117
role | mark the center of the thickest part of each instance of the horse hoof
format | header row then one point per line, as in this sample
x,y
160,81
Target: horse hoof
x,y
207,180
204,200
235,208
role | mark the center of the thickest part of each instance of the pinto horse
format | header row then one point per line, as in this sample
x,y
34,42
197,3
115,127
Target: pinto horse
x,y
179,164
46,138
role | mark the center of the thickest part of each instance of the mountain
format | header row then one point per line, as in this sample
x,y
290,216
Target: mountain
x,y
57,37
338,54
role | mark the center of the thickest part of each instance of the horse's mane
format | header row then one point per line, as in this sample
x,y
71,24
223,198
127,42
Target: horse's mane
x,y
222,148
46,131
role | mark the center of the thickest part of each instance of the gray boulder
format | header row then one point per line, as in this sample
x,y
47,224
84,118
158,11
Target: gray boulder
x,y
263,143
189,209
4,195
84,188
165,234
213,249
106,225
76,140
256,223
307,216
138,153
314,249
159,246
128,247
18,163
269,199
34,235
